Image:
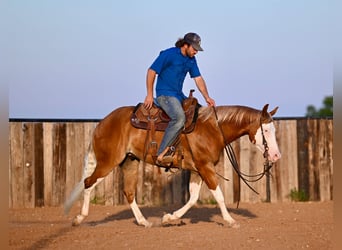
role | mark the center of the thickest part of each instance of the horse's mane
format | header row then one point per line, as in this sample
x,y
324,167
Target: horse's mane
x,y
235,114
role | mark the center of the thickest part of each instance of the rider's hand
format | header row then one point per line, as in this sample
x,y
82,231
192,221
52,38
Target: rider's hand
x,y
148,102
210,102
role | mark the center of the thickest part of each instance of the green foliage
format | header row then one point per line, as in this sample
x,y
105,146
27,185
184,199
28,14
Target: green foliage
x,y
298,195
325,111
210,201
98,200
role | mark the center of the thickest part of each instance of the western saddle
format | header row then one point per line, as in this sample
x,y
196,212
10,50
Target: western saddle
x,y
155,119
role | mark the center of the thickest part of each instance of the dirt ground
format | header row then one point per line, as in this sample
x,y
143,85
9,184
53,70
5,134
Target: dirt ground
x,y
299,225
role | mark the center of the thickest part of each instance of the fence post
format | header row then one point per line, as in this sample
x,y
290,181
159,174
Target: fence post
x,y
268,187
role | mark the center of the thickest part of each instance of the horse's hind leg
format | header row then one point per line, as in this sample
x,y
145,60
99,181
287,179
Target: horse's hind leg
x,y
101,171
130,176
85,207
194,189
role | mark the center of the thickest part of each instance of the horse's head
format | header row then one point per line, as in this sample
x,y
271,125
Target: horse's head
x,y
265,135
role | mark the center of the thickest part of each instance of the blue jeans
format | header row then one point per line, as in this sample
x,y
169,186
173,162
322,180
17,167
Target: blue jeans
x,y
173,108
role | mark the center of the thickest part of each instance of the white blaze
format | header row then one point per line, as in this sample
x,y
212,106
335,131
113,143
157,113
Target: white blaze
x,y
269,133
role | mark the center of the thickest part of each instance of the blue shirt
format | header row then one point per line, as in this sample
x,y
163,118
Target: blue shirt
x,y
172,66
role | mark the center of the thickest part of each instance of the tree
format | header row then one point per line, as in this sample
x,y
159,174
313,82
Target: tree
x,y
325,111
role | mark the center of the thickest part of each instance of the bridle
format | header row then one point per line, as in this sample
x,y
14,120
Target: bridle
x,y
232,158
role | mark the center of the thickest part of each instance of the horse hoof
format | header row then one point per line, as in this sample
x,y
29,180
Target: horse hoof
x,y
147,224
77,220
166,219
234,225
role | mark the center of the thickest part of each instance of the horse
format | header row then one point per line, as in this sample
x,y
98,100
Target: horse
x,y
116,143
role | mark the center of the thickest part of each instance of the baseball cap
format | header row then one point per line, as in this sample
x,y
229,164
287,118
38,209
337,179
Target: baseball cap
x,y
194,40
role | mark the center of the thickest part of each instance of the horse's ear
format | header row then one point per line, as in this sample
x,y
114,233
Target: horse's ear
x,y
264,109
274,111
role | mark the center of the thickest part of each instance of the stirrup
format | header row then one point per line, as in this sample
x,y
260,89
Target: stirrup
x,y
167,157
166,160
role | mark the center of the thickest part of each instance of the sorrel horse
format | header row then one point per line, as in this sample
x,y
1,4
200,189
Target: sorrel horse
x,y
116,143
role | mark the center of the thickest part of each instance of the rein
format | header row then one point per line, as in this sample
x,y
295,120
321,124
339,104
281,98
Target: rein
x,y
232,158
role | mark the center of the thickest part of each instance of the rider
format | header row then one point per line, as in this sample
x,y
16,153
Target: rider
x,y
172,65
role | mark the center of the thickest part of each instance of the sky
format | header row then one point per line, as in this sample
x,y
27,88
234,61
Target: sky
x,y
83,59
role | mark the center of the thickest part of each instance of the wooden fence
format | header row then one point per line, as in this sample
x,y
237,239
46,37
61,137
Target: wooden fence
x,y
46,161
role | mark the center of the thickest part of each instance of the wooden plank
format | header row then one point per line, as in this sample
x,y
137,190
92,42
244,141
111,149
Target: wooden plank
x,y
325,135
244,167
122,198
312,161
147,184
256,170
59,164
229,187
39,164
71,157
148,189
48,156
109,189
275,183
76,134
287,165
330,163
235,177
10,205
16,166
75,154
303,156
157,187
29,165
118,186
177,189
258,162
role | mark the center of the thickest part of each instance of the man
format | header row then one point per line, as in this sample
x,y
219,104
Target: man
x,y
172,66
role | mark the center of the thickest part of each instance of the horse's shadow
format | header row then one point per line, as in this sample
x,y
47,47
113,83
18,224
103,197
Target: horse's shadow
x,y
195,215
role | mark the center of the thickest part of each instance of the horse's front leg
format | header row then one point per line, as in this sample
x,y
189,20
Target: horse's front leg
x,y
209,176
141,220
130,178
194,189
220,200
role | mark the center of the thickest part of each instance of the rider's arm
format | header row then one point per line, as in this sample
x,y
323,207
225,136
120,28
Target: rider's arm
x,y
150,77
201,85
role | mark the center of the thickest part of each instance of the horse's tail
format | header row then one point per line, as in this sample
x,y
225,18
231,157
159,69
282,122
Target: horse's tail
x,y
89,167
